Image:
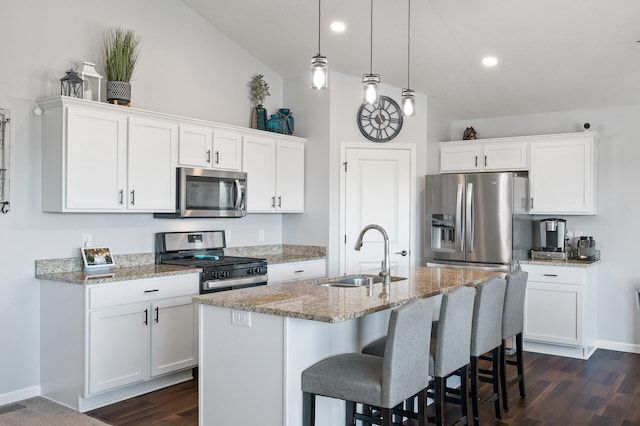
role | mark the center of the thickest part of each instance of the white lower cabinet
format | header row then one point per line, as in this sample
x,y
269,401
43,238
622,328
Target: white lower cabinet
x,y
560,310
120,339
293,271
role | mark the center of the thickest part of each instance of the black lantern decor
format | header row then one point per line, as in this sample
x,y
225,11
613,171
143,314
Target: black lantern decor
x,y
71,85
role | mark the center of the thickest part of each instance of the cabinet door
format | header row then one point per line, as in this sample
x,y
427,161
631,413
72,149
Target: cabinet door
x,y
464,157
553,313
259,162
95,160
151,165
118,346
195,146
505,156
227,150
562,177
290,177
174,342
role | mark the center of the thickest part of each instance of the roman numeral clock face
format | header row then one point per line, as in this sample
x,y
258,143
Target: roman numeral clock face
x,y
380,121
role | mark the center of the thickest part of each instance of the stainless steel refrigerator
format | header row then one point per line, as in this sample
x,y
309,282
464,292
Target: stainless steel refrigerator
x,y
477,220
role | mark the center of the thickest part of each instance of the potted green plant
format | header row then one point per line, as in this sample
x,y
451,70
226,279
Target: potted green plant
x,y
121,50
259,90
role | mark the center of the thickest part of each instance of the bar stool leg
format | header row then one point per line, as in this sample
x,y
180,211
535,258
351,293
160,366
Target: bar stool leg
x,y
350,411
503,376
464,393
308,409
474,391
495,355
520,365
439,389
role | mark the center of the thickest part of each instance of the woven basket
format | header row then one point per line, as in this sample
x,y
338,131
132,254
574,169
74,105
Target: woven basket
x,y
118,91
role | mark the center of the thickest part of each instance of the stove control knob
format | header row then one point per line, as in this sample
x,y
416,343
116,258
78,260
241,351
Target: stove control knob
x,y
214,275
250,271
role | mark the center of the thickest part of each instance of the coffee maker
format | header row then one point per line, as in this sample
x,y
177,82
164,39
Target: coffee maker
x,y
549,240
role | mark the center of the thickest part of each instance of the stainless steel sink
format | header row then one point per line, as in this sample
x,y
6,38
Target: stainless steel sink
x,y
355,281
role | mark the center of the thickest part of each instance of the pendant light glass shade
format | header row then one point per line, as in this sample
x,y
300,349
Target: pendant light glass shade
x,y
319,72
408,102
319,68
370,82
408,95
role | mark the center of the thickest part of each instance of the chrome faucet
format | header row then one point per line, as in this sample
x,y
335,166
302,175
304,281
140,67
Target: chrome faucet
x,y
385,273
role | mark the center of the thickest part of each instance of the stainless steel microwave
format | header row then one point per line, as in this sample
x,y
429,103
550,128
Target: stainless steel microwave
x,y
209,193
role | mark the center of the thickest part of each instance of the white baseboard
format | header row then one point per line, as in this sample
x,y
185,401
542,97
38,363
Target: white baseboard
x,y
617,346
19,395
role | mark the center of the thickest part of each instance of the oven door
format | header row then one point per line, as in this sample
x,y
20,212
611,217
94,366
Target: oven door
x,y
213,286
211,193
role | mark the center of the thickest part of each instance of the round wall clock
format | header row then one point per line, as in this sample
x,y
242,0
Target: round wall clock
x,y
380,121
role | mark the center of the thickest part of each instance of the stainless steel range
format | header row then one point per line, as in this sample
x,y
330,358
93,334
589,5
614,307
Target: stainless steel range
x,y
205,249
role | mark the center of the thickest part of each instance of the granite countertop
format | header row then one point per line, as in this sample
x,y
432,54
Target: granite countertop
x,y
279,253
128,267
307,300
568,262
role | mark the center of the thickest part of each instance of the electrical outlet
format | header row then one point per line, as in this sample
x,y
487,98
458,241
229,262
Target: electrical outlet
x,y
261,235
87,240
242,318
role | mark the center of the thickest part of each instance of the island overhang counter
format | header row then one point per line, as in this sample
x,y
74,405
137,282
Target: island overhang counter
x,y
255,342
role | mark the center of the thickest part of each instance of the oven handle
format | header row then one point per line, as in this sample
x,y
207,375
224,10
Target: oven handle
x,y
208,285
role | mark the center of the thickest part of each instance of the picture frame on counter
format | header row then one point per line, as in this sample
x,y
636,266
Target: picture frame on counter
x,y
97,258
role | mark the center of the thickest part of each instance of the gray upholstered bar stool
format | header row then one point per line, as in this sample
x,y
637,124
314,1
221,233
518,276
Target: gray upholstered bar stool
x,y
450,350
513,325
380,382
486,336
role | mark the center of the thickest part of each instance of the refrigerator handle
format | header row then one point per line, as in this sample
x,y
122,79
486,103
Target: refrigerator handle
x,y
459,228
469,228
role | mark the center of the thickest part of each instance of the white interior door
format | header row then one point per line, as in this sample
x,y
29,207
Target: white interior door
x,y
378,188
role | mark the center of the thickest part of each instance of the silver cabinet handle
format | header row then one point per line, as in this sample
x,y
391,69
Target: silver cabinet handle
x,y
476,161
402,253
217,157
485,161
532,203
121,196
279,201
550,275
146,317
273,201
133,197
157,314
208,156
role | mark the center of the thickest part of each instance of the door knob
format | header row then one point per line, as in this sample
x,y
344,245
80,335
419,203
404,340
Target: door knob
x,y
402,253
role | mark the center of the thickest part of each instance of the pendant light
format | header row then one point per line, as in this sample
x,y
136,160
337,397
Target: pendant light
x,y
408,95
319,69
371,80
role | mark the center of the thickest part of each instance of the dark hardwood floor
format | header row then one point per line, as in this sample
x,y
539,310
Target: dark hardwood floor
x,y
605,390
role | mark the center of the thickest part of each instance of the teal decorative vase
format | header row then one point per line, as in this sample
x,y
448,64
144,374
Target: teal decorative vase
x,y
259,118
288,122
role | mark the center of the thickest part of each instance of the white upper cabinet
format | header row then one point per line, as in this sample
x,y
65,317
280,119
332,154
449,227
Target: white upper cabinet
x,y
275,175
101,158
209,147
85,171
483,156
151,177
563,174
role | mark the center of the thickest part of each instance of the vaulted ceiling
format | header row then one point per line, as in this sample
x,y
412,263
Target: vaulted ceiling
x,y
554,55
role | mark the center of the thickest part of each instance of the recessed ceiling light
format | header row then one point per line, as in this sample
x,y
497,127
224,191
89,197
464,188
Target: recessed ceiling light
x,y
338,26
489,61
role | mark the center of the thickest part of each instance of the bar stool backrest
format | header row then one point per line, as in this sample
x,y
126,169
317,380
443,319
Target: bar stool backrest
x,y
406,354
454,331
513,314
486,330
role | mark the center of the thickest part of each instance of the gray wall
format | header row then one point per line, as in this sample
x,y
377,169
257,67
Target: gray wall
x,y
616,227
186,68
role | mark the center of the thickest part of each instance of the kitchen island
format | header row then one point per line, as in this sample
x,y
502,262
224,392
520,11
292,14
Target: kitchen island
x,y
255,342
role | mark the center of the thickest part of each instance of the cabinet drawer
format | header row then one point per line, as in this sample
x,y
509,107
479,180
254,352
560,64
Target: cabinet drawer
x,y
556,274
143,290
297,270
